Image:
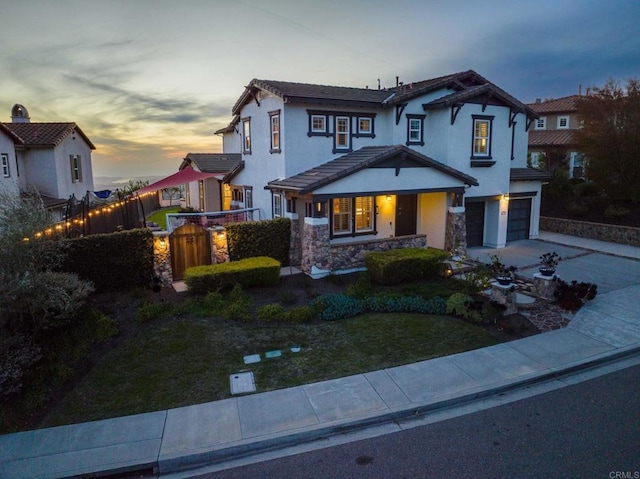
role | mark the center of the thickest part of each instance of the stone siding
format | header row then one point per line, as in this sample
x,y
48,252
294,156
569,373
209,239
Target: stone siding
x,y
455,239
315,249
162,258
348,256
598,231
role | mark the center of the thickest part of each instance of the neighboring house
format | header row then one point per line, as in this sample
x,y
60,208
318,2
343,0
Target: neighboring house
x,y
214,193
55,158
441,162
551,137
8,161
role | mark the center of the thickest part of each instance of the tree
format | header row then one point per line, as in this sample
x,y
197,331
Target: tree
x,y
610,138
132,186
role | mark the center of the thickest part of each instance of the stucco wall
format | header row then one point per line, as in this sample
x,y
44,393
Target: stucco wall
x,y
9,184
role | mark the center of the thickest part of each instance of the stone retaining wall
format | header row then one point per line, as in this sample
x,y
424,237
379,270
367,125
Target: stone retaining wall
x,y
598,231
351,255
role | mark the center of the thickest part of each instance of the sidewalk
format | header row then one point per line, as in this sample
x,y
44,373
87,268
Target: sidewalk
x,y
605,329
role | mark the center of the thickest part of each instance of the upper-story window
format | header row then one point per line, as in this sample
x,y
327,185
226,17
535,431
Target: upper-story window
x,y
342,136
318,125
481,142
274,118
5,166
415,129
75,163
365,126
541,123
246,135
563,122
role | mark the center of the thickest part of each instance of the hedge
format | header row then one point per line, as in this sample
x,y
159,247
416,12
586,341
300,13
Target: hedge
x,y
403,265
250,239
113,262
258,271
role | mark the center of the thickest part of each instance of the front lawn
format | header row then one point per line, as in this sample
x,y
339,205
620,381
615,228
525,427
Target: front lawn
x,y
183,361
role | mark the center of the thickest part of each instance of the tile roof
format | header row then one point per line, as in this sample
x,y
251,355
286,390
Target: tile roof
x,y
292,92
566,104
221,163
38,135
551,138
528,174
11,134
327,173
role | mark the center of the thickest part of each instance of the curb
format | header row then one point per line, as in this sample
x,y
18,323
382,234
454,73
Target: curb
x,y
211,457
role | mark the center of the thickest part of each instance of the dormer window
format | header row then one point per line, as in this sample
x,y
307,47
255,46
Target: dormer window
x,y
563,122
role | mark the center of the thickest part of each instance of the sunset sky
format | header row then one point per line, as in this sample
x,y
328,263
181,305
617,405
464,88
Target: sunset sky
x,y
150,81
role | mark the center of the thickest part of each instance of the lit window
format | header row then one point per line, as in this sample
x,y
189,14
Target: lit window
x,y
246,135
342,137
318,124
481,137
275,131
5,165
563,122
541,123
364,126
353,215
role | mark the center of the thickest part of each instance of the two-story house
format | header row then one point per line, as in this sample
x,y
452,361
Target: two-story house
x,y
551,143
441,162
55,158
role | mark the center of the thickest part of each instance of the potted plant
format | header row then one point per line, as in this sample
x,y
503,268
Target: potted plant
x,y
549,263
504,274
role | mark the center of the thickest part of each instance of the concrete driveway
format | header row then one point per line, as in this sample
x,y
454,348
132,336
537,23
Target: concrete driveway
x,y
609,272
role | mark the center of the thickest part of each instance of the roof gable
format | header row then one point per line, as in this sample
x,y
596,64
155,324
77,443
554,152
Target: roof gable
x,y
219,163
397,156
567,104
45,135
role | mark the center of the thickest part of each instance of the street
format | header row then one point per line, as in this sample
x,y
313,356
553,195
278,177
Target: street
x,y
588,430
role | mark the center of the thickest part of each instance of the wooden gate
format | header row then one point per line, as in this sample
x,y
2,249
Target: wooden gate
x,y
190,246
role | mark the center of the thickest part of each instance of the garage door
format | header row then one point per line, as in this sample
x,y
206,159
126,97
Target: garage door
x,y
519,219
474,216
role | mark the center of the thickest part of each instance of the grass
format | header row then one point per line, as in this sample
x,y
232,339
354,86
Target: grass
x,y
159,216
179,362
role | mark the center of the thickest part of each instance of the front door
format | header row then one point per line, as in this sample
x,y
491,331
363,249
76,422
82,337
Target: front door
x,y
406,214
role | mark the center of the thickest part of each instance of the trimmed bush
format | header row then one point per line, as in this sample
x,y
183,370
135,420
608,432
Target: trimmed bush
x,y
271,312
112,262
259,271
301,314
403,265
404,304
260,238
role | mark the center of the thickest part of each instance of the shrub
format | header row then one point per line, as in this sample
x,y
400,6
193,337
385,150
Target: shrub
x,y
300,314
402,265
258,271
572,296
271,312
149,311
17,355
288,297
463,305
616,212
106,327
237,305
361,288
336,306
405,304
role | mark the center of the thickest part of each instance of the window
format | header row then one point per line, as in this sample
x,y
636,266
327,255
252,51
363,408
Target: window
x,y
274,117
318,125
481,137
342,136
577,165
563,122
5,165
415,130
248,197
76,168
246,135
534,159
541,123
351,216
277,206
365,126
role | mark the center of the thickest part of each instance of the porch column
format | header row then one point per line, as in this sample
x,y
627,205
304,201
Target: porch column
x,y
219,245
162,258
316,252
456,234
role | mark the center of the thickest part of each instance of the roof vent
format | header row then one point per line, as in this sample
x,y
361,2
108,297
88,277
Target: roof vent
x,y
19,114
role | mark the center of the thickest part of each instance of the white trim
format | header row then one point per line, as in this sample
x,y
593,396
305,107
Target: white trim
x,y
541,123
560,119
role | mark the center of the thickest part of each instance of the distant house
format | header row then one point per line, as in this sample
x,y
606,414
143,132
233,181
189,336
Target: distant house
x,y
551,139
440,162
214,193
55,158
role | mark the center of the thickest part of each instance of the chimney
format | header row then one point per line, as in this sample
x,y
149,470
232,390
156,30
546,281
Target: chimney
x,y
397,79
538,100
19,114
